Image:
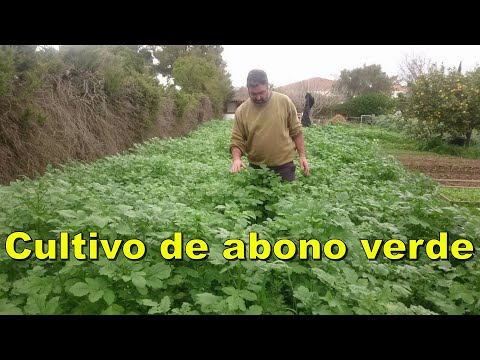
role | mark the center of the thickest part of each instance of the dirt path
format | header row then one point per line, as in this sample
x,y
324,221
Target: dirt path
x,y
447,170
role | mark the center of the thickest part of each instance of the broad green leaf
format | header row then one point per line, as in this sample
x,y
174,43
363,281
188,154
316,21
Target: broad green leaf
x,y
124,229
68,213
207,299
108,296
37,304
254,310
164,305
401,290
351,275
7,308
148,302
236,303
95,295
156,273
33,284
99,222
248,295
114,309
138,279
52,305
79,289
95,284
230,290
324,277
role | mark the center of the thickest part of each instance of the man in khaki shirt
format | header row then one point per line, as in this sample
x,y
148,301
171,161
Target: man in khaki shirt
x,y
267,130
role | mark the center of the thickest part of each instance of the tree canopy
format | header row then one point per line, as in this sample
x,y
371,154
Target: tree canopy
x,y
359,81
168,54
446,103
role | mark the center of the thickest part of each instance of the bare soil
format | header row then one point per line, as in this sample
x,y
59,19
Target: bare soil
x,y
446,170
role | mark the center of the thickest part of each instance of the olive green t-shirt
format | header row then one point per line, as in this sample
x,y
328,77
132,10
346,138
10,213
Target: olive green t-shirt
x,y
264,132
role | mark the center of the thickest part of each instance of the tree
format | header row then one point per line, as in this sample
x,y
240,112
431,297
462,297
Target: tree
x,y
413,66
367,104
193,73
446,103
168,54
7,70
200,75
25,56
473,101
211,52
359,81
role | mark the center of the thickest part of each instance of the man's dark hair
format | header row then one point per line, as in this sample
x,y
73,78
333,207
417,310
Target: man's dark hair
x,y
256,77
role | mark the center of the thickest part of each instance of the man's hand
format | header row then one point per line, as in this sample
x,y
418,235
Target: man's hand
x,y
299,143
237,165
304,165
237,162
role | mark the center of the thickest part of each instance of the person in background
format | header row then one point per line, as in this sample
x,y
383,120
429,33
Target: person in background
x,y
309,101
267,130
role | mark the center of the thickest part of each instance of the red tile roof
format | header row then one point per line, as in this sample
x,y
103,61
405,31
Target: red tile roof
x,y
399,88
313,84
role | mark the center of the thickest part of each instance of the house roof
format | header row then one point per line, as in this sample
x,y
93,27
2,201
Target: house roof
x,y
313,84
399,88
241,94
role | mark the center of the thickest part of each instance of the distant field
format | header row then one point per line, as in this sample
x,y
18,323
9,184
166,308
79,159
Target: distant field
x,y
451,169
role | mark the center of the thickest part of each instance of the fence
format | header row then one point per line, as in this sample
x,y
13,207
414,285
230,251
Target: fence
x,y
364,119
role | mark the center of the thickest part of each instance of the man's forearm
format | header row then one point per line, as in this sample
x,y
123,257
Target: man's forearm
x,y
300,144
236,153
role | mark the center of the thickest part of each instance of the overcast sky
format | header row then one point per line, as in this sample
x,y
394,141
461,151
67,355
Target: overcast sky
x,y
285,64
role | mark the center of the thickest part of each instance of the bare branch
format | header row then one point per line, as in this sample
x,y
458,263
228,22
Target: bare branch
x,y
323,98
412,66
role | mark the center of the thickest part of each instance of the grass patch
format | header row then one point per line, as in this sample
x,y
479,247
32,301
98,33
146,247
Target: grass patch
x,y
467,197
404,152
395,143
387,139
462,194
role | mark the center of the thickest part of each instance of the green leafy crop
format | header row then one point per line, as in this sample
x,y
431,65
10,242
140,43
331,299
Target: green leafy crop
x,y
184,185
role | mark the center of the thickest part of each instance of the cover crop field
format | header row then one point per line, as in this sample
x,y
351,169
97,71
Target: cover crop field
x,y
116,249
